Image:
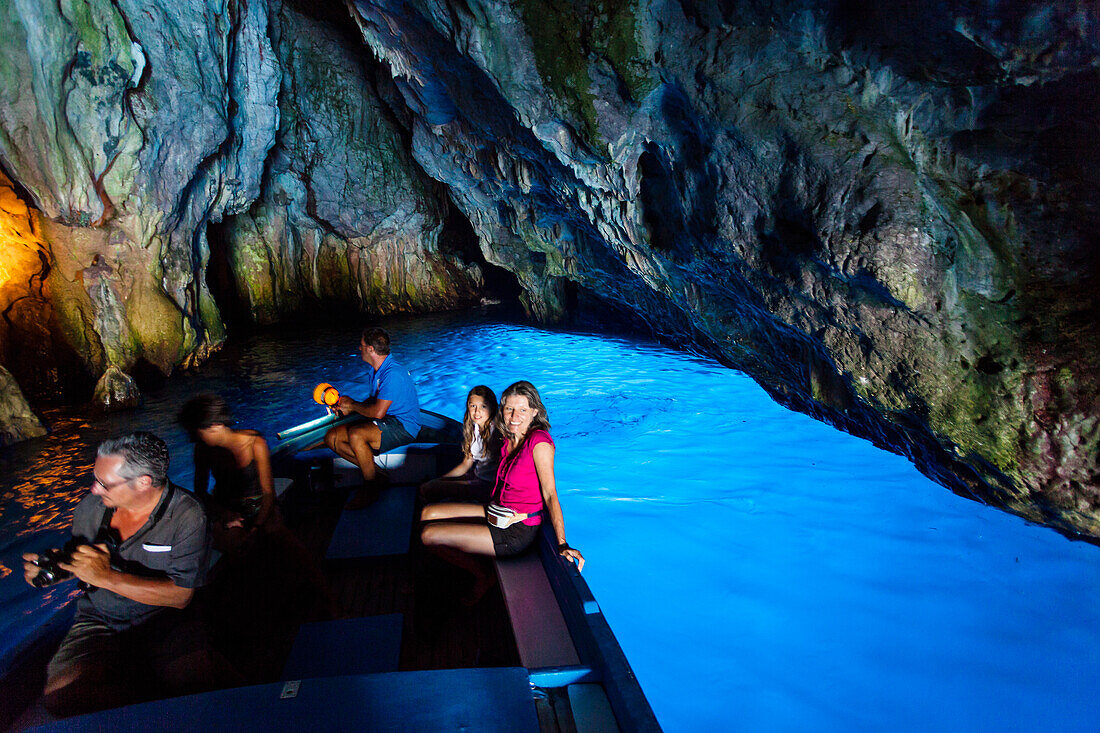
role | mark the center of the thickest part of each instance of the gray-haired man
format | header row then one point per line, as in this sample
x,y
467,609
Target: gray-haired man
x,y
140,545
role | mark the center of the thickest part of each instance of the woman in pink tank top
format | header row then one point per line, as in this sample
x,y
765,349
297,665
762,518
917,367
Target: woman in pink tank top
x,y
524,492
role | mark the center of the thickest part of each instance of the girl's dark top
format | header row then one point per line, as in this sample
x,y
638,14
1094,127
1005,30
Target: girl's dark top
x,y
235,487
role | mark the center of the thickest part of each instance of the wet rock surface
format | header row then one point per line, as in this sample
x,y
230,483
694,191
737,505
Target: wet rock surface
x,y
116,390
17,421
136,130
882,214
346,217
886,215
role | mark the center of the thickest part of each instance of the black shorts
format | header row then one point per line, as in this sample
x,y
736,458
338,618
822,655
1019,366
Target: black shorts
x,y
89,641
394,433
514,539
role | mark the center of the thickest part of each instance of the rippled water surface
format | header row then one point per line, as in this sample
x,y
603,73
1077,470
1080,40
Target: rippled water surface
x,y
760,569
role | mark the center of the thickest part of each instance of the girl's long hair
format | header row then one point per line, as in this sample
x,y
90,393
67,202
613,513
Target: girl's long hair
x,y
469,426
541,421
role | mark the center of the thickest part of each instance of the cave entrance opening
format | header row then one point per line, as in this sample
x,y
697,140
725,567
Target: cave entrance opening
x,y
222,282
458,239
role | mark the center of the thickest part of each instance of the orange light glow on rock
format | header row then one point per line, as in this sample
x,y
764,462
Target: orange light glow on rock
x,y
20,245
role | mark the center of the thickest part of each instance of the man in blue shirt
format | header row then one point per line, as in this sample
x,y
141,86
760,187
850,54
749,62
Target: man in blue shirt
x,y
392,407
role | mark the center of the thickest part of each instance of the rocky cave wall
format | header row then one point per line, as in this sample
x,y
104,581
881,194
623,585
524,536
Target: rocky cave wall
x,y
886,214
132,128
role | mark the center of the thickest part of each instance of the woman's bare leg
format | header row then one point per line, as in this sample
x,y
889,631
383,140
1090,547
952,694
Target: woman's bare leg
x,y
460,543
452,510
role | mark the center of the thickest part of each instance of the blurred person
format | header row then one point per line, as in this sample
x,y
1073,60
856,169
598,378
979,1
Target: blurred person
x,y
243,496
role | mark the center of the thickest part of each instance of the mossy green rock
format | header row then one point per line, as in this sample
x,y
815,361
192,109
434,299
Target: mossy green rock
x,y
347,219
132,126
17,422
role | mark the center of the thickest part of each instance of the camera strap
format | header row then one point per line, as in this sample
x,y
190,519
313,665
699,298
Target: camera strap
x,y
104,532
103,535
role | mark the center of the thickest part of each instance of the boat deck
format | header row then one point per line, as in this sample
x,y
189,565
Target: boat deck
x,y
265,597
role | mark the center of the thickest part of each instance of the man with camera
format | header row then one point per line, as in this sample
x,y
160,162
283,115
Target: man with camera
x,y
139,548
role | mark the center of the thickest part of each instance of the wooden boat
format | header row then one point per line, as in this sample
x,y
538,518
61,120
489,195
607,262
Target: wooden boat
x,y
381,643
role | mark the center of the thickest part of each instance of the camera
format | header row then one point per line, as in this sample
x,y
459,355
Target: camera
x,y
49,572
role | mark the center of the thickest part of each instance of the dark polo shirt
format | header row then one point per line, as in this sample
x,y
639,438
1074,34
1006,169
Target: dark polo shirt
x,y
173,543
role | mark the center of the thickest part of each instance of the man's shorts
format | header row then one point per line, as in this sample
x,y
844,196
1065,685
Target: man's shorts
x,y
393,433
154,659
90,642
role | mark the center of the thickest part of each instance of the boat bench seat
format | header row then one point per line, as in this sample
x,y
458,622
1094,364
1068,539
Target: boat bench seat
x,y
347,646
414,463
545,644
542,635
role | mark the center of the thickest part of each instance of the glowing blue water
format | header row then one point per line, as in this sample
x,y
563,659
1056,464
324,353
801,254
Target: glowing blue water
x,y
761,570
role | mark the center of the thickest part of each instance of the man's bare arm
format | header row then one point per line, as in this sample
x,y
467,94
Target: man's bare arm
x,y
371,408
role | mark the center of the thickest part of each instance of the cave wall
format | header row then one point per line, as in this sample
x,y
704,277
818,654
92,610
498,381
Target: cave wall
x,y
131,128
345,215
886,214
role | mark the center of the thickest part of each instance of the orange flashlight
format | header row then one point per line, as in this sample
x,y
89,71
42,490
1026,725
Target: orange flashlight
x,y
325,394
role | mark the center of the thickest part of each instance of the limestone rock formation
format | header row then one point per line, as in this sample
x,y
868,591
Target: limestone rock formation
x,y
17,422
116,120
136,128
116,390
31,346
345,216
884,214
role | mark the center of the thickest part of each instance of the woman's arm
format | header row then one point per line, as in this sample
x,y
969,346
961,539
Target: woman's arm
x,y
544,467
461,469
262,456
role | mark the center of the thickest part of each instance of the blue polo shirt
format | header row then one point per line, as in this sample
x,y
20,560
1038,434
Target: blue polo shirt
x,y
394,383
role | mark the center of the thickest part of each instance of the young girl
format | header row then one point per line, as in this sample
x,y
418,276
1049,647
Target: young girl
x,y
244,492
524,491
472,479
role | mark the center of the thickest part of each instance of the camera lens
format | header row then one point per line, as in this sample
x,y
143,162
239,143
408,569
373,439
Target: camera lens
x,y
49,571
45,577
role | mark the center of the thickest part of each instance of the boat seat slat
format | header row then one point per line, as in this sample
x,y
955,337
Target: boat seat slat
x,y
591,710
482,700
